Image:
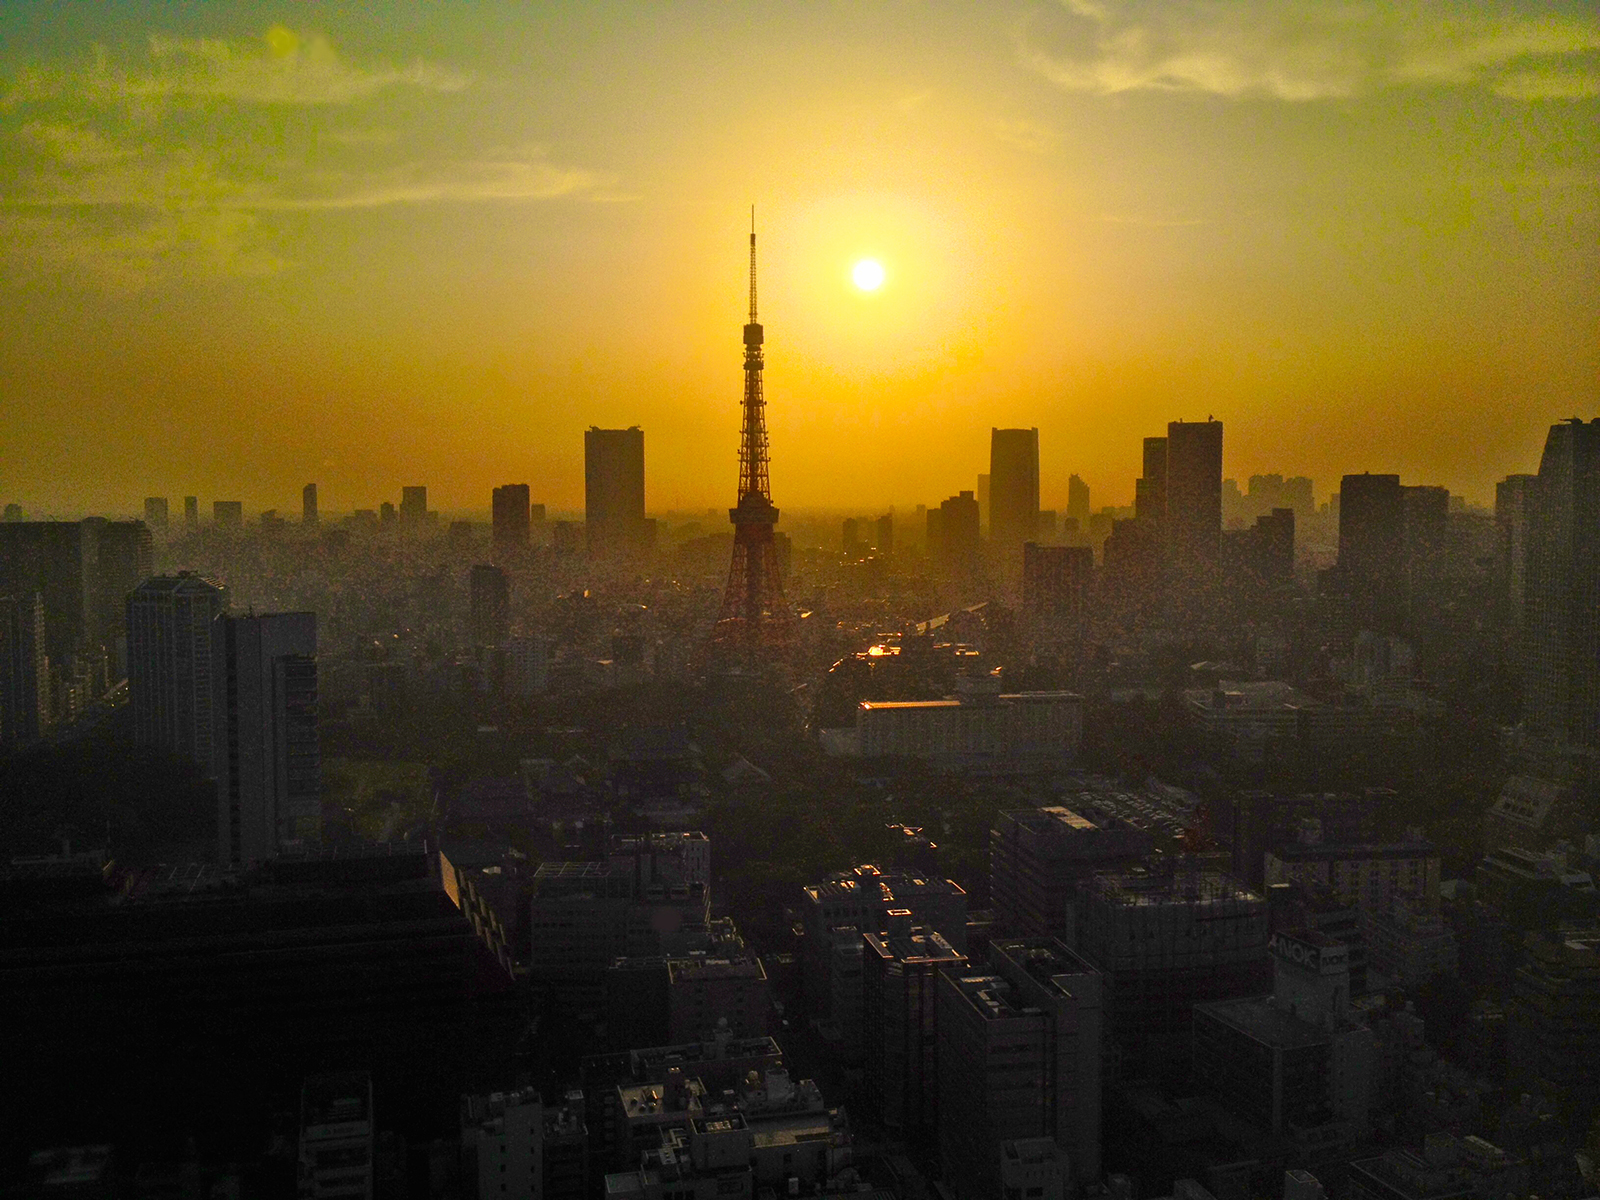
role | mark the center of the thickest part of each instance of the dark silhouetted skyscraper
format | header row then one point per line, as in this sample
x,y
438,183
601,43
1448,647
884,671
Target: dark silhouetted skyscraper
x,y
171,676
308,505
1561,671
1372,523
1513,510
1078,502
886,535
959,540
24,674
613,491
269,762
1194,496
84,570
491,606
510,514
1150,492
1013,488
413,507
1055,590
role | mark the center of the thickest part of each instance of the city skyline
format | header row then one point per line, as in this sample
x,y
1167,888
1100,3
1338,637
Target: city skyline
x,y
1283,220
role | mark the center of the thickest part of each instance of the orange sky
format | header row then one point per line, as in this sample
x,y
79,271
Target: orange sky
x,y
250,246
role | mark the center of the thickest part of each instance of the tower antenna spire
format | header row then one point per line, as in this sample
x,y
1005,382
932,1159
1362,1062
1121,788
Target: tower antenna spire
x,y
754,614
752,264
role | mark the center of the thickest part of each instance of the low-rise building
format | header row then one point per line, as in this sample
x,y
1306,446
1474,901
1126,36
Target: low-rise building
x,y
1445,1168
1409,946
1298,1062
860,899
1039,856
337,1136
768,1132
514,1145
976,725
1370,875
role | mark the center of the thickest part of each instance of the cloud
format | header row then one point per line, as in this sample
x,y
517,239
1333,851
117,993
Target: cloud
x,y
109,175
1548,85
1302,50
128,251
73,144
280,69
526,176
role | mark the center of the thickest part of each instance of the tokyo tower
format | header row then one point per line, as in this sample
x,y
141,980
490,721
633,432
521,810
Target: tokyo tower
x,y
754,615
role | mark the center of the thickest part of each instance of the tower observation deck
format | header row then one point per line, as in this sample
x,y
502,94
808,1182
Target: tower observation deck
x,y
754,614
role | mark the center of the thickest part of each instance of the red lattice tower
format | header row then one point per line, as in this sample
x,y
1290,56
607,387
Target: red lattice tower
x,y
754,614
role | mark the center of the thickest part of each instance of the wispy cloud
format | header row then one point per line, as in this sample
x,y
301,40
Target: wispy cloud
x,y
282,68
1301,50
128,251
105,172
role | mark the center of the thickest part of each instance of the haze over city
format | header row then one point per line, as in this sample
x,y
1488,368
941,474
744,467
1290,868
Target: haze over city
x,y
250,245
879,601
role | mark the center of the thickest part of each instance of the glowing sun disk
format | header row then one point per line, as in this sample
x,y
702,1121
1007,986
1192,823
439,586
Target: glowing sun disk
x,y
868,274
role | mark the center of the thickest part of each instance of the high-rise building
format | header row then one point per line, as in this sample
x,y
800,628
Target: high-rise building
x,y
510,515
885,529
1372,546
959,537
171,679
1078,502
1513,511
1561,664
1013,488
1166,941
1194,497
155,512
123,559
983,495
613,491
1150,491
1425,520
413,507
1019,1059
308,505
24,672
269,763
1055,590
227,514
56,560
901,965
83,570
191,513
850,538
491,606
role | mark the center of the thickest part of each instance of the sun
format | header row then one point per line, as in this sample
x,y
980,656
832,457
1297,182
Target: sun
x,y
868,274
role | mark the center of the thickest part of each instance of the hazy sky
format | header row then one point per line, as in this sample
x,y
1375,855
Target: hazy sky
x,y
247,246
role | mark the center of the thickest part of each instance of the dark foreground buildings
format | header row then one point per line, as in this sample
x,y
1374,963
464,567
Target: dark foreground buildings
x,y
162,1003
